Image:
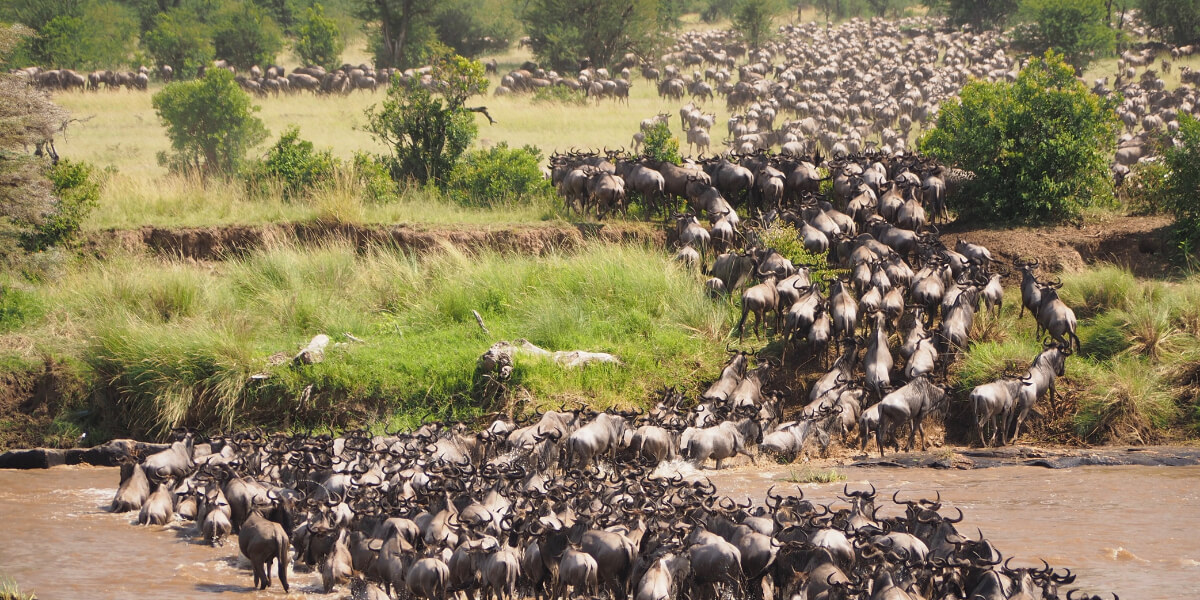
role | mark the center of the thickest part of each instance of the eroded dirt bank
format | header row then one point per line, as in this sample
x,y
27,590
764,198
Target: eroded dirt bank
x,y
216,243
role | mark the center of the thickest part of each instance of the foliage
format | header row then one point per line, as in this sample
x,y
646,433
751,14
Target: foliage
x,y
210,123
473,27
563,32
809,474
425,131
319,40
661,145
1176,21
980,14
1142,191
181,40
295,165
559,94
1039,147
399,31
245,36
787,242
1180,187
716,10
374,178
499,175
1129,402
28,119
752,18
94,34
1077,29
77,194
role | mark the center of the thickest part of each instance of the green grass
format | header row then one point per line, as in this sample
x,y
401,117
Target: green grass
x,y
1136,378
171,343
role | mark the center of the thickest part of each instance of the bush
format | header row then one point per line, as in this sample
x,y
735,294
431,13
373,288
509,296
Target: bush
x,y
319,41
559,94
295,164
374,178
210,122
428,131
1142,191
786,241
660,145
246,36
1176,21
181,40
1076,28
77,194
499,175
1180,187
1039,147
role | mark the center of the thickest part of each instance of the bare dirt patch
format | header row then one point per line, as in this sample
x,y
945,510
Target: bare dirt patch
x,y
1133,242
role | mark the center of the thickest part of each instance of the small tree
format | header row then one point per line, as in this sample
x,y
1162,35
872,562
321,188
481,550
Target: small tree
x,y
980,14
319,41
661,145
246,36
1078,29
1039,147
1177,21
753,19
181,40
472,27
210,122
428,131
562,32
82,35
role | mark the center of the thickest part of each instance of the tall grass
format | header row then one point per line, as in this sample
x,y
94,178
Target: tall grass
x,y
1129,401
172,343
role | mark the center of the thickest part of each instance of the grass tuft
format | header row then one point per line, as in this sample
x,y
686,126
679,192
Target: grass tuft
x,y
813,475
1128,402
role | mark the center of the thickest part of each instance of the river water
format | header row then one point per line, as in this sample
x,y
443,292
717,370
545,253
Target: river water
x,y
1130,530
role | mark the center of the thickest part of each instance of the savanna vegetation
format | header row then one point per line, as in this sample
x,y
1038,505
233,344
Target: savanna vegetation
x,y
148,343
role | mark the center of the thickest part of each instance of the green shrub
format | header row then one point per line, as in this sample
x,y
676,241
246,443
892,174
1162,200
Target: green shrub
x,y
1180,188
1039,147
246,36
1143,189
180,39
373,176
559,94
319,41
498,175
660,145
77,194
787,241
1078,29
1100,289
210,122
295,165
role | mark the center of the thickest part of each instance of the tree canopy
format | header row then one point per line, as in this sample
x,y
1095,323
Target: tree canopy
x,y
1077,29
562,32
319,41
1176,21
1039,147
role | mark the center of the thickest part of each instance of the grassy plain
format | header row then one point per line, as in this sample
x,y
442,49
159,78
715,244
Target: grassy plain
x,y
120,130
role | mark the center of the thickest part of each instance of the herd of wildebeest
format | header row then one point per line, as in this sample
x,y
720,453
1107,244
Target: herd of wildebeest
x,y
580,503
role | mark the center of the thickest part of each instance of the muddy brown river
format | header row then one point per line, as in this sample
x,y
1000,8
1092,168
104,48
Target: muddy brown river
x,y
1131,530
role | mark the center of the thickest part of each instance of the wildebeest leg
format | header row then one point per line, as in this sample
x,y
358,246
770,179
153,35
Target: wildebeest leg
x,y
920,426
